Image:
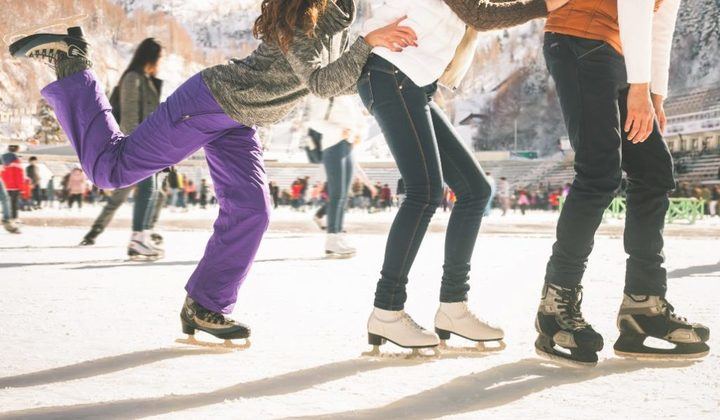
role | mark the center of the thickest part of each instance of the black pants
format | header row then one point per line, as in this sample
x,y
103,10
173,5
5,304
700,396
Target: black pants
x,y
14,203
427,151
75,198
592,85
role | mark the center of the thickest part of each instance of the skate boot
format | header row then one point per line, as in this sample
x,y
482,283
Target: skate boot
x,y
90,237
11,227
334,247
398,328
52,48
345,244
195,317
140,249
643,316
560,322
457,318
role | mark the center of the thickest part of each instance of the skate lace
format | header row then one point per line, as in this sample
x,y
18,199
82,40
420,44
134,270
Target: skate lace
x,y
411,322
669,311
569,304
215,318
48,56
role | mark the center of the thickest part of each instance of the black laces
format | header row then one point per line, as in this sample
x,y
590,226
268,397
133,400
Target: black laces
x,y
669,311
570,302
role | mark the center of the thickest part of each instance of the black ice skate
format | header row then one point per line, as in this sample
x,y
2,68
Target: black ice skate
x,y
90,237
52,48
195,317
560,323
643,316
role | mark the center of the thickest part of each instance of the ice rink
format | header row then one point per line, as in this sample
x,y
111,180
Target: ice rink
x,y
85,333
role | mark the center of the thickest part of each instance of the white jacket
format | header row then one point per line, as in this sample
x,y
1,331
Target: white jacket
x,y
331,121
647,41
439,32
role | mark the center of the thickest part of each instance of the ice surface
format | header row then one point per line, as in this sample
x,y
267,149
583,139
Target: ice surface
x,y
85,333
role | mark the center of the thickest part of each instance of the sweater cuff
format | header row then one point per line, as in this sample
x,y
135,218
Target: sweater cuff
x,y
538,8
362,49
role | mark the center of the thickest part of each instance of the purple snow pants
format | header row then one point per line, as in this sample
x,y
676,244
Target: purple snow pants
x,y
188,120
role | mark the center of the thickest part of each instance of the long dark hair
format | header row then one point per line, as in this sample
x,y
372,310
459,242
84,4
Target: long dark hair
x,y
148,52
279,19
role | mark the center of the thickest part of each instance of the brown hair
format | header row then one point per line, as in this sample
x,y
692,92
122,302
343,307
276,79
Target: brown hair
x,y
279,19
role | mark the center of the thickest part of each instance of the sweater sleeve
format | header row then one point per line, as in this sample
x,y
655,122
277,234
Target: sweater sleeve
x,y
635,19
305,58
130,102
663,29
485,15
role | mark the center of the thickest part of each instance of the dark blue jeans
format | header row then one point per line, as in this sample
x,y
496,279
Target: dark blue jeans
x,y
4,202
338,162
428,152
145,201
592,86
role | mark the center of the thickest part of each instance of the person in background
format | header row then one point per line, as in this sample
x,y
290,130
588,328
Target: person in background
x,y
32,172
77,184
7,222
493,191
274,193
400,192
504,196
13,176
204,192
50,192
139,93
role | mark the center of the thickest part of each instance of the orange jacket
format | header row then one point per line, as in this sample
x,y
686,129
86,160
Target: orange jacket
x,y
591,19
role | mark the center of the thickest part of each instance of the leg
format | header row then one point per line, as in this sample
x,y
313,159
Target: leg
x,y
333,162
14,203
188,120
118,197
160,200
144,204
236,167
401,109
348,169
588,76
649,169
4,202
465,176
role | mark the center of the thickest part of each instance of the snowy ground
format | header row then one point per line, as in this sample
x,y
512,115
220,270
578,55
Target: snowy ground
x,y
86,334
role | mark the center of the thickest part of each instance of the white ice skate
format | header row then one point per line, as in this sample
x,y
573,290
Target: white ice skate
x,y
344,242
457,318
141,249
334,247
11,226
398,328
319,222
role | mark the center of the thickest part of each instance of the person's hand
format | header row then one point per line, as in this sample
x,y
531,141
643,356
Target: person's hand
x,y
640,113
658,103
555,4
393,36
346,134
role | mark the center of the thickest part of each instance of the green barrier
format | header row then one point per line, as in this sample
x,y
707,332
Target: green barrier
x,y
687,209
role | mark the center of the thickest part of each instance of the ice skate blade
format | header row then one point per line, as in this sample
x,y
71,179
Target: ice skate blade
x,y
565,362
480,347
424,353
63,22
227,345
671,357
336,256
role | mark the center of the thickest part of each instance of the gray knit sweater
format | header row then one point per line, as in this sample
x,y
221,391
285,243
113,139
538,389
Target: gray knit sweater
x,y
485,15
264,87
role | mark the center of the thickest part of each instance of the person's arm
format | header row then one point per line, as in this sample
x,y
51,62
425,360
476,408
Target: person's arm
x,y
130,102
485,15
663,30
305,58
635,20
